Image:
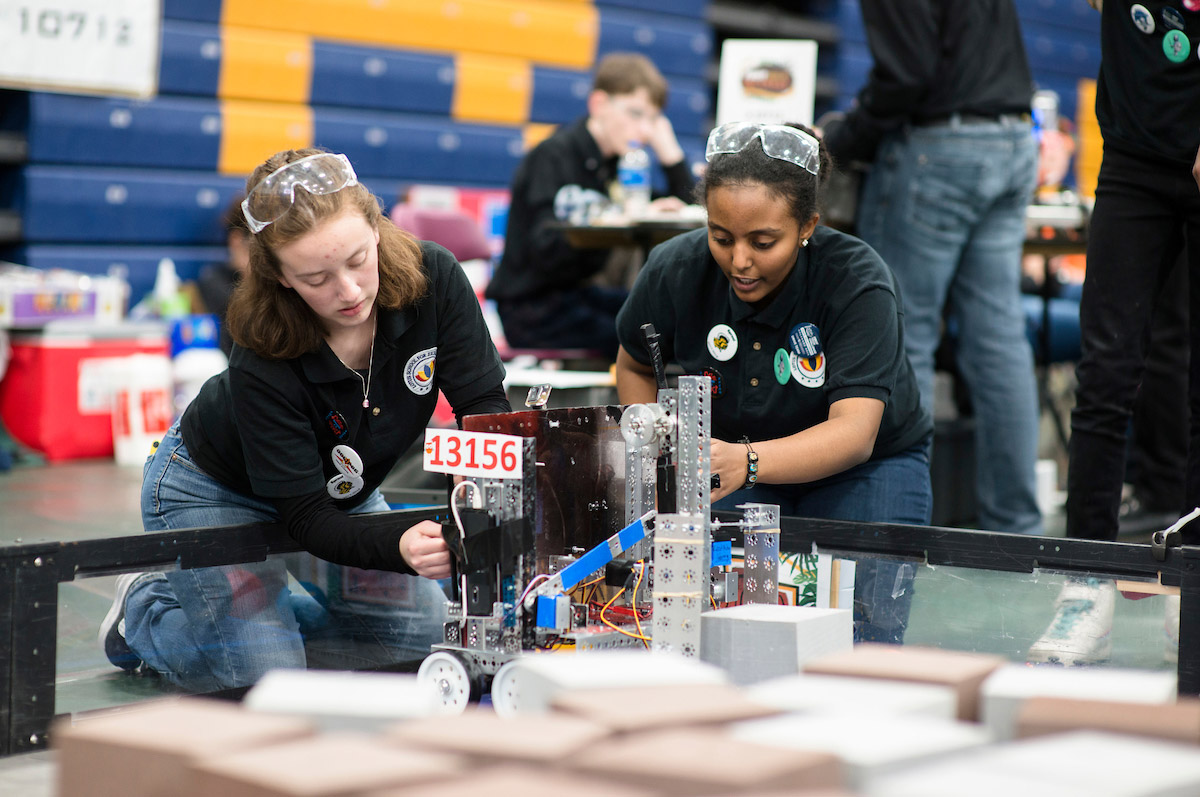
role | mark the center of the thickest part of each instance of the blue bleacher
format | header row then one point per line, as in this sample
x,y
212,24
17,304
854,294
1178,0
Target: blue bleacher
x,y
172,133
382,78
80,204
679,47
696,9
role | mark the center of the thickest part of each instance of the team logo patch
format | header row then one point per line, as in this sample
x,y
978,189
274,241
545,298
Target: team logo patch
x,y
722,342
808,371
418,372
342,486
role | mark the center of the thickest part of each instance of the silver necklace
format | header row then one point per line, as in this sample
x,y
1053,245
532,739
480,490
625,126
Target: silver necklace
x,y
366,383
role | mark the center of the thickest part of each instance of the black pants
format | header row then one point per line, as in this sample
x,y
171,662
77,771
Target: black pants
x,y
1158,447
1146,214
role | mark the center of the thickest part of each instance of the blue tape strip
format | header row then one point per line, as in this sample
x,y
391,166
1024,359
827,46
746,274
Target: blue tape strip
x,y
599,556
632,534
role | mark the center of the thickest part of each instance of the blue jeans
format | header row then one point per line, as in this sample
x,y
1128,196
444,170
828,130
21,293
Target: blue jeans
x,y
945,208
206,629
892,490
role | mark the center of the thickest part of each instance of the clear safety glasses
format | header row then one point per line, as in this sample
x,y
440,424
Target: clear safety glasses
x,y
323,173
778,141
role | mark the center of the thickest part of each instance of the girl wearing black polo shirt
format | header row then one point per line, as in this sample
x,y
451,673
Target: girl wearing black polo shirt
x,y
815,406
346,329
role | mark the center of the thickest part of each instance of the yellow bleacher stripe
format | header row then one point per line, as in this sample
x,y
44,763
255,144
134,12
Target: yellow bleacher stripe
x,y
534,134
253,131
265,65
490,88
544,31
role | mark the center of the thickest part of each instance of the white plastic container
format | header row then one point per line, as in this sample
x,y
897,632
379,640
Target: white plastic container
x,y
142,408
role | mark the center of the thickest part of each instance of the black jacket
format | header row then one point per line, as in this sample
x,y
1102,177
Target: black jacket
x,y
934,58
537,258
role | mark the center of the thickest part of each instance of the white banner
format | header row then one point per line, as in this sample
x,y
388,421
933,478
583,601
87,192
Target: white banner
x,y
86,46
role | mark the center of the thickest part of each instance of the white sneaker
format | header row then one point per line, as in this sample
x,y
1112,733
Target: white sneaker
x,y
1171,630
1081,631
112,628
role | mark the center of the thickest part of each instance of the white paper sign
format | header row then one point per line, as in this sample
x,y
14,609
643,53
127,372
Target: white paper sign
x,y
483,454
88,46
767,80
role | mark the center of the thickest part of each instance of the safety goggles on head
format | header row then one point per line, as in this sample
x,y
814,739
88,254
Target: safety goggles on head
x,y
778,141
323,173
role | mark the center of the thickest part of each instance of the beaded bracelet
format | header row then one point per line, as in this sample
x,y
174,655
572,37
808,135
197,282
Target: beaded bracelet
x,y
751,464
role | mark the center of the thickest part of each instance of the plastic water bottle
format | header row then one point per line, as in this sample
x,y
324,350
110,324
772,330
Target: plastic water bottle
x,y
633,172
169,300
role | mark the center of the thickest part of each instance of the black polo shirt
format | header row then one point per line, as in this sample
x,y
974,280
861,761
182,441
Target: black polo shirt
x,y
537,258
839,285
267,428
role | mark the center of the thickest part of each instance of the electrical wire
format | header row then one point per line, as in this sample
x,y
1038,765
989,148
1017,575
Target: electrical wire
x,y
461,531
619,630
637,620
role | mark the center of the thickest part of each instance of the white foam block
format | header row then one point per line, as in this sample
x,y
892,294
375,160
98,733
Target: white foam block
x,y
754,642
343,700
835,694
541,677
870,747
1009,686
1069,764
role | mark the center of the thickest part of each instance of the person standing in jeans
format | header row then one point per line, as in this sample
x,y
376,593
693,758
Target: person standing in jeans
x,y
1147,216
944,122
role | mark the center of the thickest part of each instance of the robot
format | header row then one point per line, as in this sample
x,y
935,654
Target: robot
x,y
605,541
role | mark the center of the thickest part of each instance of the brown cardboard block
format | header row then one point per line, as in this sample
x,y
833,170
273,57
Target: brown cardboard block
x,y
331,765
1179,721
487,737
143,750
525,781
965,672
645,708
706,761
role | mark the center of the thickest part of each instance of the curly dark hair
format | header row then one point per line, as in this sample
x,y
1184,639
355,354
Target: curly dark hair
x,y
273,321
800,188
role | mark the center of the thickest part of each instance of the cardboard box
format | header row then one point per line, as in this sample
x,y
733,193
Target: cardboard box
x,y
964,672
535,739
343,701
1006,689
1179,722
807,693
754,642
541,678
649,708
870,746
330,765
144,750
522,781
706,761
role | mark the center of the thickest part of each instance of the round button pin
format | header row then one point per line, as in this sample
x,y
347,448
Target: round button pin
x,y
783,366
805,340
1172,18
1191,5
1176,46
347,460
716,382
722,342
1142,18
343,486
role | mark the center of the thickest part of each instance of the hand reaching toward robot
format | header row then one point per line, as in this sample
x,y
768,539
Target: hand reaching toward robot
x,y
727,461
425,551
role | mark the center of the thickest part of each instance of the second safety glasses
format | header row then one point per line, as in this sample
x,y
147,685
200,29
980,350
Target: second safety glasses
x,y
778,141
323,173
